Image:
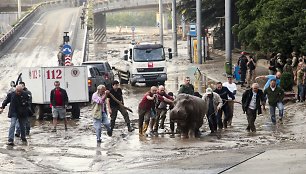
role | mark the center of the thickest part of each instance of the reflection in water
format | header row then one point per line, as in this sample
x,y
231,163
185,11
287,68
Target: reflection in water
x,y
98,150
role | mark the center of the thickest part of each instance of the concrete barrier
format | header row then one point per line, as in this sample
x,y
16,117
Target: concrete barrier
x,y
85,47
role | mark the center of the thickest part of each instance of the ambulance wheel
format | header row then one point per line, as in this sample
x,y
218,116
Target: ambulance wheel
x,y
75,111
39,112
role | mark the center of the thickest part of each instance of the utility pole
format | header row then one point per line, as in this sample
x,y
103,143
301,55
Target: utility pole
x,y
161,25
174,29
19,9
228,49
199,31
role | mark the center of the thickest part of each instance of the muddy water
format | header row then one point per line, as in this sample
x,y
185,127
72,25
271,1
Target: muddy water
x,y
77,151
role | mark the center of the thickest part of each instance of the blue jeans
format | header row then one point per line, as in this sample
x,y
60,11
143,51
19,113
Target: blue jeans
x,y
301,92
280,107
22,122
98,125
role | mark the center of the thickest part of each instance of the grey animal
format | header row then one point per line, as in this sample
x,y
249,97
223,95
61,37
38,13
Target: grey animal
x,y
188,113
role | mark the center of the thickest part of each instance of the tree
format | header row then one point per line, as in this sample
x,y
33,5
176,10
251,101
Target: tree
x,y
211,9
272,25
286,81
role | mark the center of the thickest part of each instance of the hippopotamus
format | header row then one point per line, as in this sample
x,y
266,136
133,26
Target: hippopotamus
x,y
188,112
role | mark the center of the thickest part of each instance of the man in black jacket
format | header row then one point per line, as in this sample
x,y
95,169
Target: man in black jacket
x,y
223,93
242,63
275,95
30,113
17,112
114,107
252,100
59,102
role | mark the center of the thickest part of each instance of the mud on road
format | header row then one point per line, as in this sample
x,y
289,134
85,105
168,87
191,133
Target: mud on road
x,y
76,150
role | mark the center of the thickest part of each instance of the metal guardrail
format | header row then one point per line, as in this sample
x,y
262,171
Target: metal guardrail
x,y
107,6
24,20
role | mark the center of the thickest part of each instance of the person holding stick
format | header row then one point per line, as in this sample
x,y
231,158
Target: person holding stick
x,y
115,104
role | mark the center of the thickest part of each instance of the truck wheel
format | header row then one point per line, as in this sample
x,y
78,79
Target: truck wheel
x,y
90,96
39,112
133,83
149,84
75,111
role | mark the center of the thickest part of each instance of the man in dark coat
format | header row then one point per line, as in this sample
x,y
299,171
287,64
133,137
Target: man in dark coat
x,y
187,87
30,113
17,112
224,93
252,100
114,107
275,99
242,63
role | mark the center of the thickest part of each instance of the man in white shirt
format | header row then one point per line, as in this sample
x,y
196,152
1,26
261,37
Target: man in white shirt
x,y
233,88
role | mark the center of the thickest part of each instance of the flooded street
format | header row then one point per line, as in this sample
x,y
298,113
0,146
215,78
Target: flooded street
x,y
76,150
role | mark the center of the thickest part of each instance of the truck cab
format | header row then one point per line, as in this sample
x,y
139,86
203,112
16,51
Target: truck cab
x,y
144,63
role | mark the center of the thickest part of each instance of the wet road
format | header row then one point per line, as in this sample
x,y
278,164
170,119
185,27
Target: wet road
x,y
39,45
77,151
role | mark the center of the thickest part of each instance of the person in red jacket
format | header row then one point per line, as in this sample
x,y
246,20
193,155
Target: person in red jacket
x,y
59,102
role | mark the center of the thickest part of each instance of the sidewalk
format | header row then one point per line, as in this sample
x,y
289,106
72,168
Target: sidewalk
x,y
274,161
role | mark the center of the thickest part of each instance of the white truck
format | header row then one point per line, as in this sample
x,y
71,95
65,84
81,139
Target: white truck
x,y
143,63
40,81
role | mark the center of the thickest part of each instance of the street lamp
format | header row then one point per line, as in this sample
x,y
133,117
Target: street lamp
x,y
161,26
174,30
228,49
199,33
19,9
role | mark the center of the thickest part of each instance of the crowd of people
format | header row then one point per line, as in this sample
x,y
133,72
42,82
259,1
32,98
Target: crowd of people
x,y
293,64
247,66
153,107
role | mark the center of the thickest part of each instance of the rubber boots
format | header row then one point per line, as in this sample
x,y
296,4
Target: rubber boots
x,y
145,128
151,124
140,131
162,123
130,128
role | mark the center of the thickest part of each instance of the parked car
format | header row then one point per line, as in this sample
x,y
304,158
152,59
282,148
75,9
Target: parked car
x,y
105,69
95,79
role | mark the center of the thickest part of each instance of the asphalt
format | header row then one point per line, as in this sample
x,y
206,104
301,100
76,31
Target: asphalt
x,y
273,161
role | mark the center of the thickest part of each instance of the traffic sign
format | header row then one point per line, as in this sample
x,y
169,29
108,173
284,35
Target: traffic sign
x,y
67,60
133,28
66,49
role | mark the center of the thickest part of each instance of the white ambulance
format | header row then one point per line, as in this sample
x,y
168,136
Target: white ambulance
x,y
40,81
